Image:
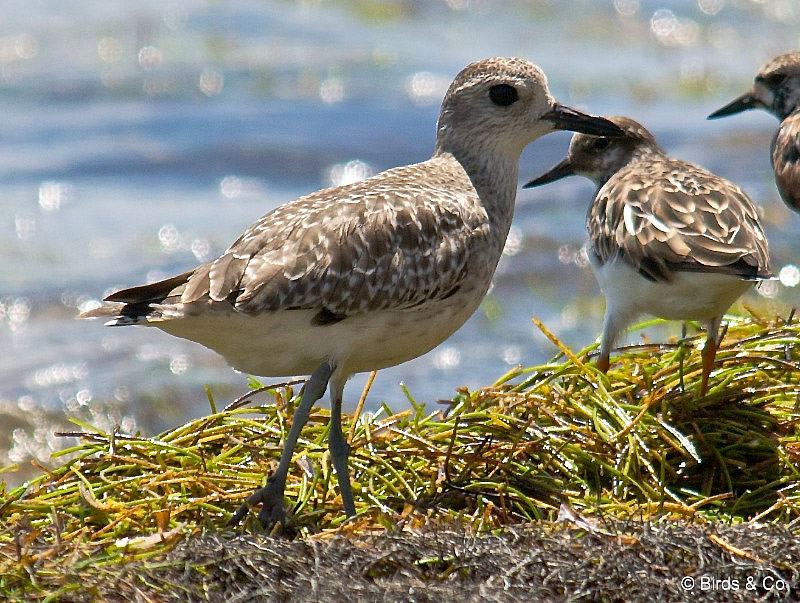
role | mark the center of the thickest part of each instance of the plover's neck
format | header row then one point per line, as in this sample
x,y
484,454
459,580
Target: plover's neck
x,y
789,110
614,165
647,151
494,177
787,98
492,171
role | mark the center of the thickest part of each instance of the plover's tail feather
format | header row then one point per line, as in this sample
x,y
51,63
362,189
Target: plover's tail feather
x,y
152,293
140,305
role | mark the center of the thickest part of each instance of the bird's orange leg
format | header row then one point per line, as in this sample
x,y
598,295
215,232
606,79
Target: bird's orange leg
x,y
709,354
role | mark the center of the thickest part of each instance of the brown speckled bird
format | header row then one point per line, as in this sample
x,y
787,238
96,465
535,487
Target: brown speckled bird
x,y
666,237
371,274
777,89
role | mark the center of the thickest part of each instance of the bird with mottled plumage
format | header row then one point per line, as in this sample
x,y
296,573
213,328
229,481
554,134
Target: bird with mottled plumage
x,y
666,237
370,274
777,89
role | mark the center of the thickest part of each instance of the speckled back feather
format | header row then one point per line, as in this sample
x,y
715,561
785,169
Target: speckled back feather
x,y
664,215
785,155
388,241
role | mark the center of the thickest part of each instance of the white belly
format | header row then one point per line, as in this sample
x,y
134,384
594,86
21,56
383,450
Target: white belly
x,y
688,296
286,343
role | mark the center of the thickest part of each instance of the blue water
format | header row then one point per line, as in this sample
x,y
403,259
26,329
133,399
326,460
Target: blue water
x,y
138,139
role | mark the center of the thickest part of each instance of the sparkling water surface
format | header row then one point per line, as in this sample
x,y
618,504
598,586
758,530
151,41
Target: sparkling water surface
x,y
140,138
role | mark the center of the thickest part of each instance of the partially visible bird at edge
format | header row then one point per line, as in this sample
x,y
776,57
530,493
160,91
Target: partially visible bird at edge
x,y
777,89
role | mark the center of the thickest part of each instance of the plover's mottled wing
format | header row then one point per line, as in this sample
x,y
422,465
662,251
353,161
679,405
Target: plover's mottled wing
x,y
668,215
391,242
786,160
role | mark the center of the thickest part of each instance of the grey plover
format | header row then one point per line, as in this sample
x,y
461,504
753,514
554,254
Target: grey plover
x,y
666,237
777,89
370,274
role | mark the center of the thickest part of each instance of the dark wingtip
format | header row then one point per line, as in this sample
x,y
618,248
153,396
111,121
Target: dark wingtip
x,y
150,292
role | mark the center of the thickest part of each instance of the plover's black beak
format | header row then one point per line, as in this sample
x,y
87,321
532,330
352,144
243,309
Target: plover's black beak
x,y
742,103
567,118
557,172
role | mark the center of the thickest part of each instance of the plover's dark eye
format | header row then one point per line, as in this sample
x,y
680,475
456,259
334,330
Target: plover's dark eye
x,y
503,94
774,80
600,143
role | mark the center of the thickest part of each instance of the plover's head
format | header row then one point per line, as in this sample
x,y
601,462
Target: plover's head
x,y
776,89
600,157
502,104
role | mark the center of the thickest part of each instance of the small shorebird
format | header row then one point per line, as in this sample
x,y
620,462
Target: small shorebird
x,y
666,237
367,275
777,89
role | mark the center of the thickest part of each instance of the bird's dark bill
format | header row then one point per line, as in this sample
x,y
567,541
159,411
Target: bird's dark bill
x,y
557,172
567,118
742,103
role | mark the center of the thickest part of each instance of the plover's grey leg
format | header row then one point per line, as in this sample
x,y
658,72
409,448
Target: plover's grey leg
x,y
613,324
271,495
339,448
683,354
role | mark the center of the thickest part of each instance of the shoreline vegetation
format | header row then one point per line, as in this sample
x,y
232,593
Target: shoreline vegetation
x,y
551,465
